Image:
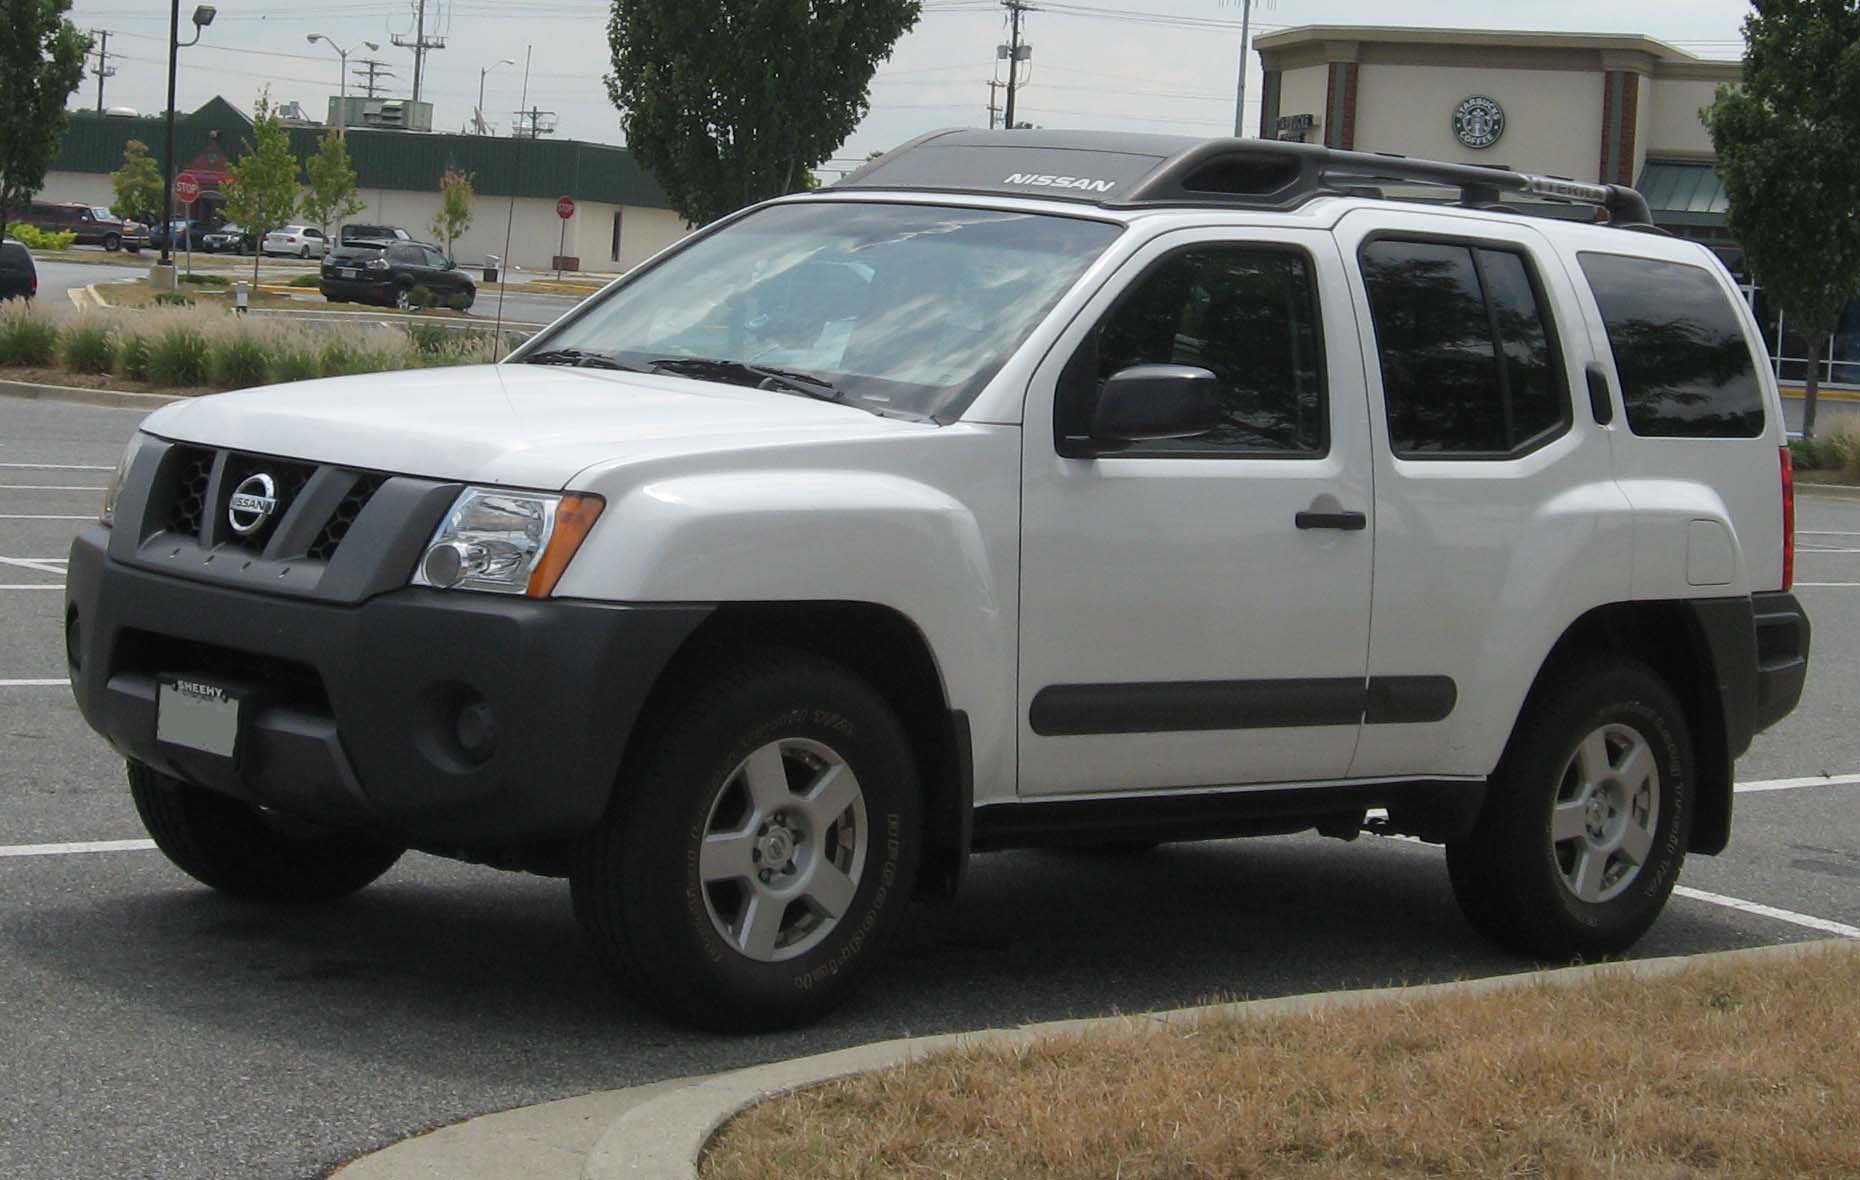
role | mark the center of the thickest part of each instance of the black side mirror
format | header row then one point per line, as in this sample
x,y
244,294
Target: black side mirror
x,y
1148,402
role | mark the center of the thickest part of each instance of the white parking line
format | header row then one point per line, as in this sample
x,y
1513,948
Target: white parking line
x,y
38,565
1823,585
69,849
35,684
34,586
1796,784
85,516
1825,533
54,467
1769,911
50,487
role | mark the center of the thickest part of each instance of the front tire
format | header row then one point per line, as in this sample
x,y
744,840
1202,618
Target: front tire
x,y
1587,819
112,243
761,847
250,853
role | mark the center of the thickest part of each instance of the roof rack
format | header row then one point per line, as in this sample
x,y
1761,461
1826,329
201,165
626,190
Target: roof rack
x,y
1136,171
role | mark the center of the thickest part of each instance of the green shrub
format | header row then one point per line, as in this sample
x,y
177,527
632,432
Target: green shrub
x,y
422,297
205,280
429,340
306,281
89,347
171,299
132,357
239,362
25,339
179,357
295,364
34,238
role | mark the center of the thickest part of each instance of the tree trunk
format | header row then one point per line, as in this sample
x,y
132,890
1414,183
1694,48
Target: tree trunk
x,y
258,252
1812,386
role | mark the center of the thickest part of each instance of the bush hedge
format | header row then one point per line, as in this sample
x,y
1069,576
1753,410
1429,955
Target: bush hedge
x,y
34,238
90,347
26,339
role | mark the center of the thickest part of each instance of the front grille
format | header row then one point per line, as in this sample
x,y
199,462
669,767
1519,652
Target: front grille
x,y
180,504
190,491
343,518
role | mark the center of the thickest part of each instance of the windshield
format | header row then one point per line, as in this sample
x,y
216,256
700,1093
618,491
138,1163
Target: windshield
x,y
894,308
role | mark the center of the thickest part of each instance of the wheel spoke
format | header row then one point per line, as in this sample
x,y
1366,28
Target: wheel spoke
x,y
1570,820
767,777
1592,757
832,793
725,856
760,926
831,890
1588,883
1636,841
1638,767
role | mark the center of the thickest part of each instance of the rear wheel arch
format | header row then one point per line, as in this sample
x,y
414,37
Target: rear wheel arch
x,y
1670,638
885,649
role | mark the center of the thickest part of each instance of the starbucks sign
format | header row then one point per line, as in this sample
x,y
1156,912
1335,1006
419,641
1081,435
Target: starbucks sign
x,y
1479,122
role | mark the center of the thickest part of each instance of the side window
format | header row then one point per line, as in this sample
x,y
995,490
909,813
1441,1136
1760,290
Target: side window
x,y
407,255
1249,314
1686,369
1469,363
434,258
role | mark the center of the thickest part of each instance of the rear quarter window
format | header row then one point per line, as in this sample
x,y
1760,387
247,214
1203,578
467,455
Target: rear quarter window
x,y
1686,367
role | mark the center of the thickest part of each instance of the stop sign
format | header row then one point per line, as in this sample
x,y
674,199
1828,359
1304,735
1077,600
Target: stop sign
x,y
187,188
565,207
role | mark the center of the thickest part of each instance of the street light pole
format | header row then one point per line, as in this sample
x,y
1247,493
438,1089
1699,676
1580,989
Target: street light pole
x,y
343,86
167,156
478,113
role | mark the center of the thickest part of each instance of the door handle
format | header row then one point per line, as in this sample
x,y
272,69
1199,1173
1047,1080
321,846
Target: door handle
x,y
1349,522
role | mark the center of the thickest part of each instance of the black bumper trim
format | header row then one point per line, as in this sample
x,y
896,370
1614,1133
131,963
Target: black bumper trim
x,y
353,706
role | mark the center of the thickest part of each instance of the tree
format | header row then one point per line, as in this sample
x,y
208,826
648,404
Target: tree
x,y
262,194
1784,141
729,102
331,196
41,63
455,200
137,183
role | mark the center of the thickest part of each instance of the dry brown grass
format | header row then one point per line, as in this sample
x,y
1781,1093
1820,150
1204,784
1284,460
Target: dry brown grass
x,y
136,293
1744,1071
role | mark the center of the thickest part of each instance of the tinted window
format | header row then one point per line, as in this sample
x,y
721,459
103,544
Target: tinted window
x,y
1467,353
1686,369
434,258
410,255
1250,316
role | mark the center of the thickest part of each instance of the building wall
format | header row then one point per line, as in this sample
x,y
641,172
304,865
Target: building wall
x,y
1552,117
535,231
77,188
1676,129
1304,92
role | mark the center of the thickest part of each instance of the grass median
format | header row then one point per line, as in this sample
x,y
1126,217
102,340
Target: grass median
x,y
1749,1070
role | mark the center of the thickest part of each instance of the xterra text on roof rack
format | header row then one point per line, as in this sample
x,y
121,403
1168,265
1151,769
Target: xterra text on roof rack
x,y
956,508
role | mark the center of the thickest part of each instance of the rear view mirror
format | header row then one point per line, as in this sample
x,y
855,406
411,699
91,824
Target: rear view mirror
x,y
1149,402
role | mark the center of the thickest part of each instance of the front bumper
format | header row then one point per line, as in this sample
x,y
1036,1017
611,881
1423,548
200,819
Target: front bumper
x,y
352,709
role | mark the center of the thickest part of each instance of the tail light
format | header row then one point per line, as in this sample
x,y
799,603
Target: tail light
x,y
1788,497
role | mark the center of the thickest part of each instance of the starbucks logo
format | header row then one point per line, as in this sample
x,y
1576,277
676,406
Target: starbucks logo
x,y
1479,122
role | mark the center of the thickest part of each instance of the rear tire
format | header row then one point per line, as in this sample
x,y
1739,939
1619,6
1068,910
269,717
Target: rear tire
x,y
761,846
1587,819
250,853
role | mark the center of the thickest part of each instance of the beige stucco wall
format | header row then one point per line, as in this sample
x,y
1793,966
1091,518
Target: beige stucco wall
x,y
77,188
1553,118
1676,129
1305,91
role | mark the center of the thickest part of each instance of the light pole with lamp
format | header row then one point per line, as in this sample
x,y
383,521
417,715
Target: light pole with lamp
x,y
482,71
342,53
203,16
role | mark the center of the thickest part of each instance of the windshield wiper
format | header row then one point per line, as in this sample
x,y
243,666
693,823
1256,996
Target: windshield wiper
x,y
582,359
743,373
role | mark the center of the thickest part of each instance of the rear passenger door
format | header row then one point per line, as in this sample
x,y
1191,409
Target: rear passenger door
x,y
1498,520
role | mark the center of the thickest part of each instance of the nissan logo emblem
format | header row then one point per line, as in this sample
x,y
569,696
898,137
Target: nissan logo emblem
x,y
252,504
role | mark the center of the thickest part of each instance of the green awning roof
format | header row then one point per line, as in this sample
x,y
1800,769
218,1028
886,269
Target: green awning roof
x,y
1684,194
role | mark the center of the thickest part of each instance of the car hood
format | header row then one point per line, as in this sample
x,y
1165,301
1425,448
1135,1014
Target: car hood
x,y
520,425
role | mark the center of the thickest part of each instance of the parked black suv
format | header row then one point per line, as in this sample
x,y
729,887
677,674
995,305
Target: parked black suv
x,y
387,272
19,278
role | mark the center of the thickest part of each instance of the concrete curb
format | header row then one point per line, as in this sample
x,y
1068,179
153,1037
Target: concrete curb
x,y
664,1137
77,395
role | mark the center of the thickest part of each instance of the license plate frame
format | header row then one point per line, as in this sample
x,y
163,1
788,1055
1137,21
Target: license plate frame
x,y
347,272
199,715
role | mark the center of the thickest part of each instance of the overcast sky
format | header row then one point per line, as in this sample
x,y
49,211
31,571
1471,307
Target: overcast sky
x,y
1141,65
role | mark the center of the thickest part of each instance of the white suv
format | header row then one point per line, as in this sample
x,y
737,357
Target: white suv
x,y
1022,489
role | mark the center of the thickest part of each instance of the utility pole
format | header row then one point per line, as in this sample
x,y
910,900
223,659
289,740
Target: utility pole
x,y
104,68
1016,52
994,109
421,44
1246,29
369,73
533,124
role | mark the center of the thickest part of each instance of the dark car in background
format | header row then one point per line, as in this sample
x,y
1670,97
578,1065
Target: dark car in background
x,y
93,224
389,271
357,232
19,278
228,239
184,232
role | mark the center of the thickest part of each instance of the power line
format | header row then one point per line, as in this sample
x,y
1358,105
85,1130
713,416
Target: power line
x,y
1014,52
421,45
104,68
371,74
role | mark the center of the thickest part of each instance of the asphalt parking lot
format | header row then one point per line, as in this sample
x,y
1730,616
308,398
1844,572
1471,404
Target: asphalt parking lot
x,y
153,1029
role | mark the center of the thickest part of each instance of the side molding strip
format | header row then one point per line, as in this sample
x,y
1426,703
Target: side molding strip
x,y
1071,710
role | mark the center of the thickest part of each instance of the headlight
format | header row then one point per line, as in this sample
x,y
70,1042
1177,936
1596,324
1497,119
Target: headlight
x,y
108,512
507,542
